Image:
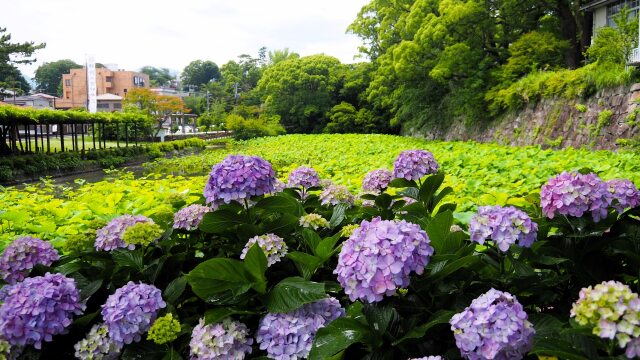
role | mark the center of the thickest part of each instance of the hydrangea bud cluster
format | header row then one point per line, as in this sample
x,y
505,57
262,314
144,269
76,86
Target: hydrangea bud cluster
x,y
504,225
38,308
379,256
224,340
189,218
239,178
347,230
612,309
142,234
377,180
129,312
314,221
304,177
6,352
626,194
22,255
97,345
165,329
494,326
289,336
574,194
272,245
110,237
336,194
414,164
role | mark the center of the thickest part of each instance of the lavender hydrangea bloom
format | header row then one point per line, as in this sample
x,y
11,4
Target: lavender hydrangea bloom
x,y
131,310
38,308
304,177
110,237
289,336
272,245
337,194
633,349
376,181
379,256
278,186
97,345
574,194
239,178
503,225
626,194
414,164
22,255
494,326
224,340
189,218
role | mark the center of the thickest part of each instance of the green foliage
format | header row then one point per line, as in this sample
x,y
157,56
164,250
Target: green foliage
x,y
581,108
244,129
200,72
142,234
534,51
11,54
158,76
48,76
10,114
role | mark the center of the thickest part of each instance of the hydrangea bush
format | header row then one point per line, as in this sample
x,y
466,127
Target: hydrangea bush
x,y
405,278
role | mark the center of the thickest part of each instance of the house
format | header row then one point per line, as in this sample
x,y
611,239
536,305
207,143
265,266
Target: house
x,y
37,101
603,12
109,103
108,81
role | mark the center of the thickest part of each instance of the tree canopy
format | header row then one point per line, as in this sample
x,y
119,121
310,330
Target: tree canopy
x,y
12,53
158,76
200,72
48,76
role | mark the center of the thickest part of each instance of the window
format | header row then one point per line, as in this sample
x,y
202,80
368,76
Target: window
x,y
615,7
67,94
103,105
109,78
67,82
117,106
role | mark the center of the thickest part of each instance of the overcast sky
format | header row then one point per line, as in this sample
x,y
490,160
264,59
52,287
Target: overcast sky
x,y
171,34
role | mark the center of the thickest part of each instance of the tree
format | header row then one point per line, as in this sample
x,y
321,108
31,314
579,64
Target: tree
x,y
301,91
158,76
145,101
48,76
200,72
12,54
276,56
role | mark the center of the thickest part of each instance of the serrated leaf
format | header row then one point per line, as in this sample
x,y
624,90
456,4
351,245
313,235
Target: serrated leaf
x,y
219,278
306,263
402,183
338,336
216,315
128,258
174,290
282,204
338,215
440,317
255,262
293,292
219,221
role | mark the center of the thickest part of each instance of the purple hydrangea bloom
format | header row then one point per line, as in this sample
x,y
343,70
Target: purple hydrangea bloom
x,y
574,194
379,256
377,180
626,194
131,310
224,340
503,225
22,255
337,194
304,177
633,348
289,336
189,218
414,164
278,186
272,245
239,178
110,237
38,308
494,326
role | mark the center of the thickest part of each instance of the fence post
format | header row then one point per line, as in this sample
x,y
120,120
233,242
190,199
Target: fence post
x,y
62,137
48,143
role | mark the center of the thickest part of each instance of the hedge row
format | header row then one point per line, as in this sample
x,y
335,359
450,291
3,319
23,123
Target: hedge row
x,y
11,114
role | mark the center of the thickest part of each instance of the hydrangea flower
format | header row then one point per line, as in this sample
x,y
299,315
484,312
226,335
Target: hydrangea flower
x,y
165,329
189,218
336,194
142,234
633,348
503,225
278,186
379,256
304,177
289,336
612,309
626,194
22,255
494,326
347,230
224,340
97,345
272,245
38,308
414,164
129,312
575,194
377,180
314,221
110,237
239,178
428,358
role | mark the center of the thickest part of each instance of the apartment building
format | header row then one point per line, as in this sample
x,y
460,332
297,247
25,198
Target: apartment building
x,y
116,82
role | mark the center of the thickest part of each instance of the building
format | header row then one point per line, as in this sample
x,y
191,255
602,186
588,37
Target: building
x,y
37,101
109,103
115,82
603,12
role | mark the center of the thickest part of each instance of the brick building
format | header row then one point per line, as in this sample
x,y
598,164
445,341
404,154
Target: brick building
x,y
116,82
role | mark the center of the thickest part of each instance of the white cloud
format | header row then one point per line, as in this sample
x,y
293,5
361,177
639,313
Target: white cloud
x,y
171,34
